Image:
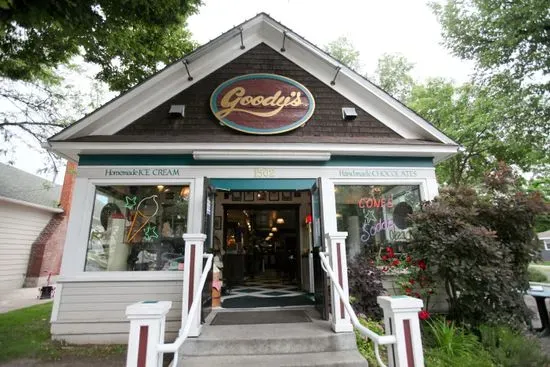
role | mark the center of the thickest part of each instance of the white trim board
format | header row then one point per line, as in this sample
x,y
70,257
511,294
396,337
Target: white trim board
x,y
72,150
125,109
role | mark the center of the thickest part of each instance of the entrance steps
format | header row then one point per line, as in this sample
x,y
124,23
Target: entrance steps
x,y
270,345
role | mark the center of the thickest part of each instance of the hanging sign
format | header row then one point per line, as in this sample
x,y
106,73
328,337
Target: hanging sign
x,y
262,104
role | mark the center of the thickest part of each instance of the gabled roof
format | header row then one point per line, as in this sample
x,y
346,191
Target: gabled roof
x,y
123,110
19,185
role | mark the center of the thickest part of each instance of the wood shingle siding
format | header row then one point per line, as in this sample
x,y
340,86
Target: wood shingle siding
x,y
199,124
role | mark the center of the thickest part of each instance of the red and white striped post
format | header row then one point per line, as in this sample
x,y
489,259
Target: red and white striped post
x,y
336,244
192,271
147,324
401,319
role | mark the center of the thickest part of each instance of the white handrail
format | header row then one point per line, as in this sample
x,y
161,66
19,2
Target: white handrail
x,y
175,346
376,339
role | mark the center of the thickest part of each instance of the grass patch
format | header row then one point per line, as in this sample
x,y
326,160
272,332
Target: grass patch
x,y
25,333
545,263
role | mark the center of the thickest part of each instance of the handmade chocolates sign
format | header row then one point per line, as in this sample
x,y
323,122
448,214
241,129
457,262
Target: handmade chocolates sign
x,y
262,104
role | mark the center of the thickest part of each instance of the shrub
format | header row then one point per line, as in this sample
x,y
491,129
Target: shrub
x,y
509,348
479,244
365,345
537,276
451,346
365,284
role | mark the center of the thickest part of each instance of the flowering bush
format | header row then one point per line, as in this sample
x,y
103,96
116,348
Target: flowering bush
x,y
478,244
412,278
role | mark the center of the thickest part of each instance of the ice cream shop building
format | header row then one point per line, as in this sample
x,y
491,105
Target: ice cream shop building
x,y
258,149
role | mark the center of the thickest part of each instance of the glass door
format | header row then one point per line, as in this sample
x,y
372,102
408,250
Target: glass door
x,y
208,230
320,282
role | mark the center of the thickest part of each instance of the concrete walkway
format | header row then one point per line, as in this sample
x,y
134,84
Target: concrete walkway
x,y
20,298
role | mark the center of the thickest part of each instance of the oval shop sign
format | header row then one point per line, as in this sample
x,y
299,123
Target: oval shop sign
x,y
262,104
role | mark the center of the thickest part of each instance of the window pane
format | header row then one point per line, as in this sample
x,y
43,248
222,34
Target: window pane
x,y
374,216
138,228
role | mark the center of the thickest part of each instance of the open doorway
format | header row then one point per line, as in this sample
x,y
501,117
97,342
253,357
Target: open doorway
x,y
262,248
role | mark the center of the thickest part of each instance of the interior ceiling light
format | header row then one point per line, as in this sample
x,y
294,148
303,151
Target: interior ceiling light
x,y
160,187
270,235
280,221
274,229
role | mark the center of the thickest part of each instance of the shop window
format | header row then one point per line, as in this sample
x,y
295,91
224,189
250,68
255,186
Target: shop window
x,y
138,228
375,216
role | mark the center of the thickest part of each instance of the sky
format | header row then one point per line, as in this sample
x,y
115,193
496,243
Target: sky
x,y
375,27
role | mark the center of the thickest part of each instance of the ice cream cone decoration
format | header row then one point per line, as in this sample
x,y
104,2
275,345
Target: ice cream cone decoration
x,y
133,233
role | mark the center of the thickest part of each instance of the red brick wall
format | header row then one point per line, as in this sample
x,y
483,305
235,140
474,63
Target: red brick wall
x,y
47,250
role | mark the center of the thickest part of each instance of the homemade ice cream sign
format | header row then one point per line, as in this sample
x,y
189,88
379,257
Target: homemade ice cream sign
x,y
262,104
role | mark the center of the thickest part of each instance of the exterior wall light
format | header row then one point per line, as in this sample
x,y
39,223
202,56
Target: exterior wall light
x,y
349,113
177,110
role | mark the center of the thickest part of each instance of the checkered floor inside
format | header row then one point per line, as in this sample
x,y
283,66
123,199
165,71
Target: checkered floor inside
x,y
264,288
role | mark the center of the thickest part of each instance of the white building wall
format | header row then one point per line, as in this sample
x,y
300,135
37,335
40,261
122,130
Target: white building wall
x,y
20,226
89,306
93,312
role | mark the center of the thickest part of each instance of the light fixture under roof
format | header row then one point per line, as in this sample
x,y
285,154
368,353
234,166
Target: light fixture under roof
x,y
349,113
177,110
280,221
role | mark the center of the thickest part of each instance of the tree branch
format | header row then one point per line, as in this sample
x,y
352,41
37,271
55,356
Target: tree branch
x,y
2,124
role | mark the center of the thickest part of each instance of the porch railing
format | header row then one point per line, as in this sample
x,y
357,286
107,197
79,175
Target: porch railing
x,y
376,339
403,338
147,319
146,345
175,346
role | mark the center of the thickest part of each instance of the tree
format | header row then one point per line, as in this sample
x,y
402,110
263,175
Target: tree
x,y
541,184
393,75
343,50
33,111
491,124
511,36
129,40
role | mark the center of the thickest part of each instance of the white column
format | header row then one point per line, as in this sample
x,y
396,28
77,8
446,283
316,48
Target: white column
x,y
401,320
336,244
147,323
192,270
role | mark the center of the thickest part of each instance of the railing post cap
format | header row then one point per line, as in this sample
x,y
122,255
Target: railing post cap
x,y
148,309
401,303
336,235
194,236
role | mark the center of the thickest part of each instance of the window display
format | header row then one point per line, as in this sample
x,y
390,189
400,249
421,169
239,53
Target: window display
x,y
374,216
138,228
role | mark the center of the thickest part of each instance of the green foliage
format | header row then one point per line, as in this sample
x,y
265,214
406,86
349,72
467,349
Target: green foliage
x,y
491,125
509,348
500,35
480,246
129,40
365,284
365,345
393,75
343,50
537,276
542,185
449,345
